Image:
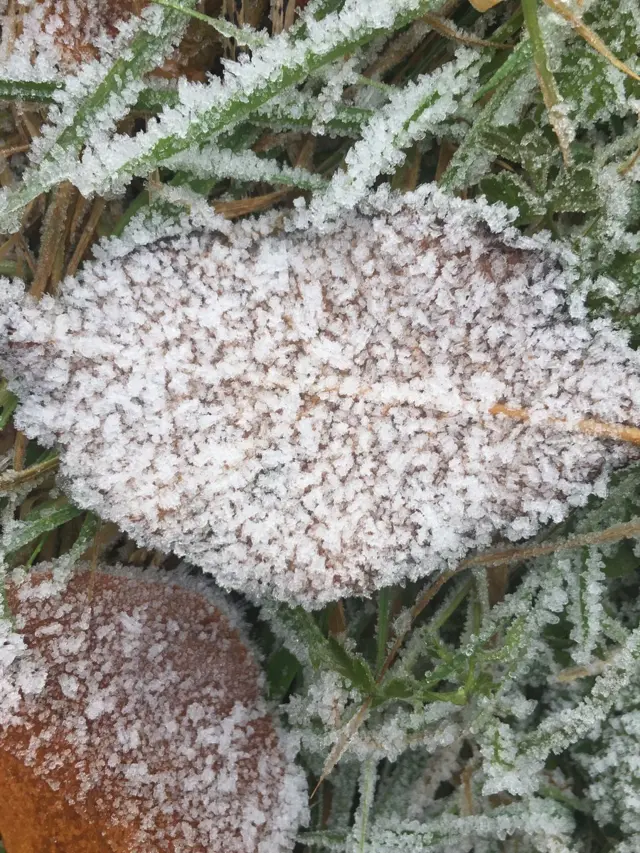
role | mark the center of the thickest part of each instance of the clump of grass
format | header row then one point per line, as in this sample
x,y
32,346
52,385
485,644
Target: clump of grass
x,y
476,713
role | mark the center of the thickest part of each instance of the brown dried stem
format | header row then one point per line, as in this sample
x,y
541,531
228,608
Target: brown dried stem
x,y
86,236
55,225
588,426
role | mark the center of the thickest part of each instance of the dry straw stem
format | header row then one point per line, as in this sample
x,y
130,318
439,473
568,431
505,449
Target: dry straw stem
x,y
444,28
55,226
13,479
87,235
256,204
282,15
615,533
588,427
19,450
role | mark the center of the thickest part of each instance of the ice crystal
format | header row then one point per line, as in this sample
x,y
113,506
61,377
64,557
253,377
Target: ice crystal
x,y
307,412
614,770
63,34
149,719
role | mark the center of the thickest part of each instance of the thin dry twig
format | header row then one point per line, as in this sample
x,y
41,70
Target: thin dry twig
x,y
19,450
448,30
14,149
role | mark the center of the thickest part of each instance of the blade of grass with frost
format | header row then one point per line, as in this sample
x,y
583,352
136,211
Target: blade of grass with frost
x,y
532,817
329,839
367,790
242,35
304,639
206,111
16,534
513,66
212,161
27,90
347,121
529,818
563,728
556,108
101,105
585,583
536,816
151,99
412,112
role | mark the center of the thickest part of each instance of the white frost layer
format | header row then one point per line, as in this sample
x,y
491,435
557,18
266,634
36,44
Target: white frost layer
x,y
145,713
306,413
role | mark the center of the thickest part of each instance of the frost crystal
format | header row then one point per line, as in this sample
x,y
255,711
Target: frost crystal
x,y
150,726
615,773
307,412
62,34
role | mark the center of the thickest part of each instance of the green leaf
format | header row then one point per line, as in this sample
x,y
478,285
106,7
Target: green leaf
x,y
282,669
512,190
8,403
351,666
526,144
574,191
624,561
456,697
472,159
323,652
399,688
584,80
